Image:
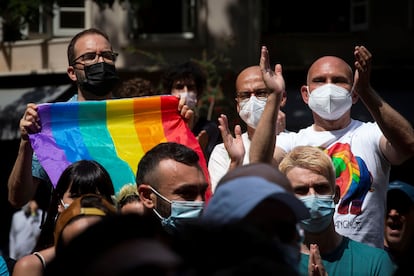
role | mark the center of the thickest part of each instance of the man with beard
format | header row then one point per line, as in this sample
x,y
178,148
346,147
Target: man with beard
x,y
92,67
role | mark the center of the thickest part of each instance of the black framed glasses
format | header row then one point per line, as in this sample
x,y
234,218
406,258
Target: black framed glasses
x,y
92,57
260,94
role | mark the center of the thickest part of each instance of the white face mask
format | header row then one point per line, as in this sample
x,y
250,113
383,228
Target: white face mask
x,y
251,111
190,99
330,101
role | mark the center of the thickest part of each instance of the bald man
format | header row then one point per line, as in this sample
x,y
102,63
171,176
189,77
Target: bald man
x,y
362,152
251,96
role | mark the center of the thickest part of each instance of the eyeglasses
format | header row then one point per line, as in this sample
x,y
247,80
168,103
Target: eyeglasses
x,y
260,94
90,58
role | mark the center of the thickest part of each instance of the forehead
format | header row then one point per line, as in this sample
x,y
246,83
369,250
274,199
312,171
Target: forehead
x,y
250,79
91,43
330,66
173,176
301,177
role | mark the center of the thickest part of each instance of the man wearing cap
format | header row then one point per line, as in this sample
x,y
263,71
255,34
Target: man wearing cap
x,y
259,196
312,176
399,223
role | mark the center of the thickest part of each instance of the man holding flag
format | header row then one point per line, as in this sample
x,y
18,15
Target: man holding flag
x,y
92,67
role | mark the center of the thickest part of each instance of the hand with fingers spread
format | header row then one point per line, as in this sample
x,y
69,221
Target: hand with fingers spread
x,y
362,64
234,145
273,79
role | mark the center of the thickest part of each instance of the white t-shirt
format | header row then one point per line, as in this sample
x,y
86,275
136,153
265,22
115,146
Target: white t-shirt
x,y
219,161
362,174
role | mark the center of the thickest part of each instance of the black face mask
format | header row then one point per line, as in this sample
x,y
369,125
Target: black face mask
x,y
100,78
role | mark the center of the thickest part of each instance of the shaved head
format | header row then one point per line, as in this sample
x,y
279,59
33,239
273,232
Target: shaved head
x,y
330,66
263,170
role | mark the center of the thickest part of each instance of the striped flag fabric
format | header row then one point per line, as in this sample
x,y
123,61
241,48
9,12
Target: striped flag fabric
x,y
116,133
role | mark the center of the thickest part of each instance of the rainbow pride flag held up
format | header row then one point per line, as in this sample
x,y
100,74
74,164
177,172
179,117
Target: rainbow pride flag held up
x,y
115,133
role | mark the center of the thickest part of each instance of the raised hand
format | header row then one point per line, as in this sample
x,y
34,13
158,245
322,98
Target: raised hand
x,y
234,145
273,79
362,64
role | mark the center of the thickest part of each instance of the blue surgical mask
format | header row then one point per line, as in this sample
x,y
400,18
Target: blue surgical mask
x,y
321,209
182,212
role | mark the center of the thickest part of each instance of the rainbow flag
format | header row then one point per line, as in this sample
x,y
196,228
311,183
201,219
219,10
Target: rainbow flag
x,y
115,133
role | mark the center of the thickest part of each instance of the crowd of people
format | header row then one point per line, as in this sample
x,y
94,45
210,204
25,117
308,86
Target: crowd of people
x,y
313,202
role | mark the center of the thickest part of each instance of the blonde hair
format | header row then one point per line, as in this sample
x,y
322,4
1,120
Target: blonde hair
x,y
311,158
127,193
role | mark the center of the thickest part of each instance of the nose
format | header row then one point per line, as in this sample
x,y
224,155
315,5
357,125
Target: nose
x,y
199,197
393,212
100,58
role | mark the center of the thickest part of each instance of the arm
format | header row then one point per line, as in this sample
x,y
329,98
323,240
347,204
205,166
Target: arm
x,y
31,265
22,186
263,142
397,143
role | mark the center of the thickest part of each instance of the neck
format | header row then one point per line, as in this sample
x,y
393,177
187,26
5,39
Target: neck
x,y
86,96
327,240
250,132
326,125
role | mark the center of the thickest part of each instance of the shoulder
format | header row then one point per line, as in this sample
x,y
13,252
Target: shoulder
x,y
356,124
367,249
218,149
27,263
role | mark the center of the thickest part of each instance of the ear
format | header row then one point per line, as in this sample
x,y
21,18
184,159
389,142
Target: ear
x,y
304,92
337,194
145,193
284,99
71,73
354,96
237,106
